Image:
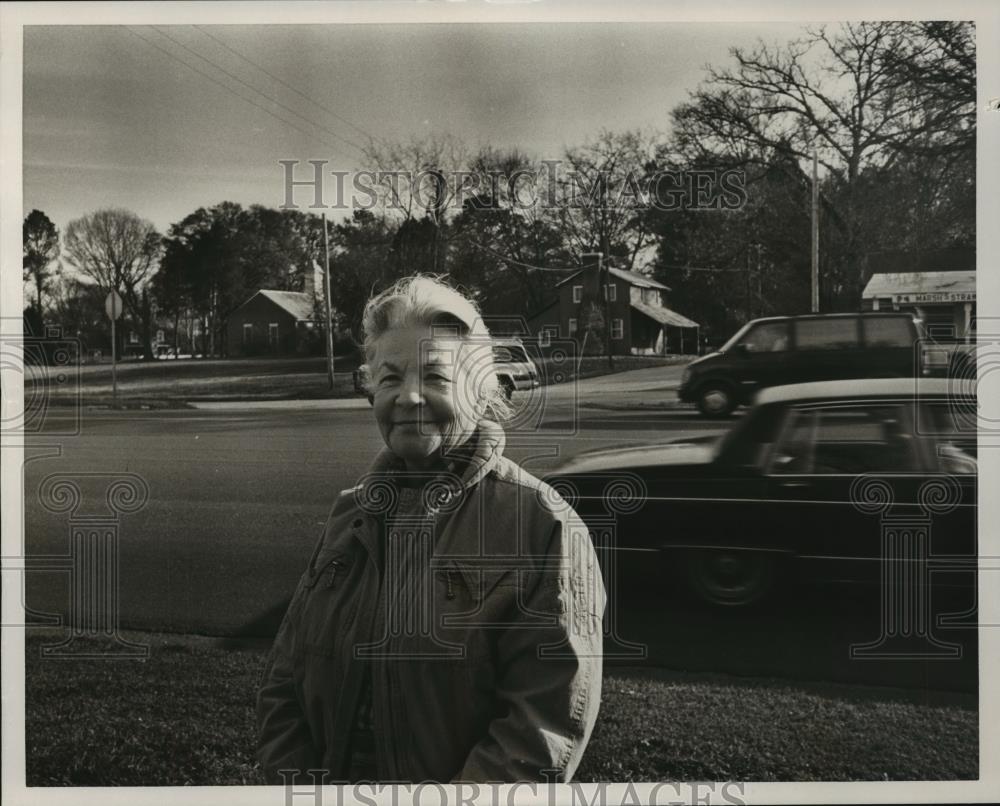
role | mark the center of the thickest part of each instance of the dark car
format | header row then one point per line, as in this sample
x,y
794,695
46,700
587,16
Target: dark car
x,y
805,485
798,349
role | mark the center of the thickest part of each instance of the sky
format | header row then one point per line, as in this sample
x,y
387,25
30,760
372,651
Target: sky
x,y
163,120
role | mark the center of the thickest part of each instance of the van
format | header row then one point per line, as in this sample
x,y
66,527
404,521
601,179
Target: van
x,y
782,350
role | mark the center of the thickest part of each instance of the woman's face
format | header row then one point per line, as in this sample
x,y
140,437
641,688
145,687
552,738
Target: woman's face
x,y
424,399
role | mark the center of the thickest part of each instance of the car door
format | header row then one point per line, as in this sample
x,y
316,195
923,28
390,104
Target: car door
x,y
831,467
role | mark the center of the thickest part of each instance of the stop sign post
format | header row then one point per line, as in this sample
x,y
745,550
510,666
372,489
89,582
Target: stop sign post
x,y
113,306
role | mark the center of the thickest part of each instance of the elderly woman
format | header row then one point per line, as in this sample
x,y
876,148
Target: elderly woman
x,y
448,626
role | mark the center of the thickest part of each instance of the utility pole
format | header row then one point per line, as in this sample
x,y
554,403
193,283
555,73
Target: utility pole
x,y
746,275
604,278
815,238
326,301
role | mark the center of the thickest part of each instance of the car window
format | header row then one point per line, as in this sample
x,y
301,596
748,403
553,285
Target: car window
x,y
826,334
767,337
887,331
951,429
846,439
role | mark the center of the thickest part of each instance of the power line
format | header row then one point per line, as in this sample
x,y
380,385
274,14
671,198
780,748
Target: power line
x,y
702,268
558,269
220,68
284,83
227,88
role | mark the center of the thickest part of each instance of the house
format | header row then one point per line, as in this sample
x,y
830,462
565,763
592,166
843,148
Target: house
x,y
641,322
272,323
944,300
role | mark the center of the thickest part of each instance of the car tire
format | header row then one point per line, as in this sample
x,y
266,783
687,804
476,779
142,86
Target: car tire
x,y
730,578
716,399
507,387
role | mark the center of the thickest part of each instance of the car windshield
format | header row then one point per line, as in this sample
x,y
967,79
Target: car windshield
x,y
746,442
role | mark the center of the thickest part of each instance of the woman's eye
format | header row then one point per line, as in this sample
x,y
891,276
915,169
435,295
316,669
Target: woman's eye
x,y
437,378
385,380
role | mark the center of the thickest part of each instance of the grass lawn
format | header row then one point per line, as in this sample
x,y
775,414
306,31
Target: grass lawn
x,y
185,716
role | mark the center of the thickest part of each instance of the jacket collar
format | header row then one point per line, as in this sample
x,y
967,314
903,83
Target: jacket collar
x,y
464,469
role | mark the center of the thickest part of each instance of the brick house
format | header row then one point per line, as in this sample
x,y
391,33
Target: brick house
x,y
272,323
641,322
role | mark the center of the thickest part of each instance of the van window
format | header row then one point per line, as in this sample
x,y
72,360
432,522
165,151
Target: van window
x,y
767,337
826,334
887,331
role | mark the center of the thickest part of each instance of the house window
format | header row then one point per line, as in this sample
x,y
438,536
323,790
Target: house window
x,y
572,327
247,333
611,292
617,329
133,338
272,334
577,293
545,336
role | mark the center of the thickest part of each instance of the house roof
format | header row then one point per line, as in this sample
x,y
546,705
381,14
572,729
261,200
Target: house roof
x,y
942,284
630,277
297,303
664,316
543,309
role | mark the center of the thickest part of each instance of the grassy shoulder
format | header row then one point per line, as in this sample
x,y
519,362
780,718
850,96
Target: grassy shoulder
x,y
185,716
167,384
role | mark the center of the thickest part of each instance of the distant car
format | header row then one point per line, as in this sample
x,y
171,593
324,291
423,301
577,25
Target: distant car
x,y
791,489
515,369
782,350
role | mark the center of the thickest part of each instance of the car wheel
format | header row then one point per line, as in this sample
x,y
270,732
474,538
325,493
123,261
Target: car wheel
x,y
507,386
716,399
730,578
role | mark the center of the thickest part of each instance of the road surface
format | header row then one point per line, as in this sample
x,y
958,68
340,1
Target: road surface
x,y
237,496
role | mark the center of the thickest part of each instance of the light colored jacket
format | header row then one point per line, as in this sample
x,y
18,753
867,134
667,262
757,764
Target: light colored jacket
x,y
484,640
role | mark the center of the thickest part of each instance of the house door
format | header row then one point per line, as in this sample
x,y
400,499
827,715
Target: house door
x,y
272,337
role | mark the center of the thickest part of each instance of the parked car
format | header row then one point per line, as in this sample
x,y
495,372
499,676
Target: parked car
x,y
515,369
791,491
797,349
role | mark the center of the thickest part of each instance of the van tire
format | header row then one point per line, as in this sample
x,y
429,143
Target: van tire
x,y
716,399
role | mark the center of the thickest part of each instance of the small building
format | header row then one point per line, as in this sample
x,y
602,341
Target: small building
x,y
944,300
272,323
641,322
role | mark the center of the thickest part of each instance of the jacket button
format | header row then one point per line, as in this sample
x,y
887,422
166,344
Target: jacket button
x,y
357,523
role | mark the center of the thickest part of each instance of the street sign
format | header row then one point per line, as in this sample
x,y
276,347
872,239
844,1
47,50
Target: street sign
x,y
113,305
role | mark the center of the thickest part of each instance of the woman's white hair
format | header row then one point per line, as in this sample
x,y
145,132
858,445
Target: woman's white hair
x,y
423,300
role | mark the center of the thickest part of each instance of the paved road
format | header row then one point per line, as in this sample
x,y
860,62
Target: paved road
x,y
234,490
237,495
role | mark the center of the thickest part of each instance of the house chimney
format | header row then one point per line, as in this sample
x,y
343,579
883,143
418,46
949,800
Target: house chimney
x,y
310,279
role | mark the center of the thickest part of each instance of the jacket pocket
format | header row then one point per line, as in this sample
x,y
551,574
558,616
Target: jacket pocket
x,y
325,610
469,607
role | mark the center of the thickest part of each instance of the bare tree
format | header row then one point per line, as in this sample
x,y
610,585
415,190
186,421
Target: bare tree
x,y
838,93
119,251
420,177
601,196
41,247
